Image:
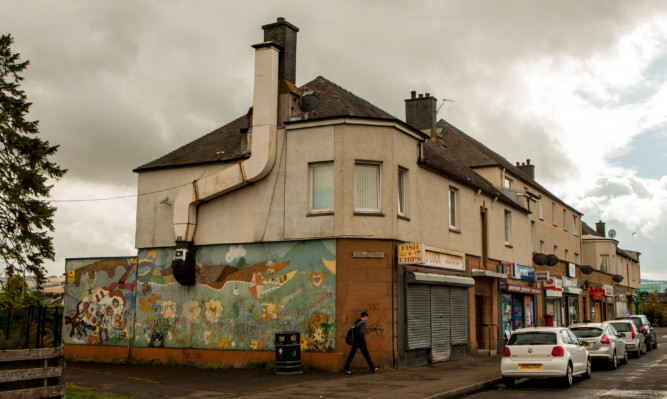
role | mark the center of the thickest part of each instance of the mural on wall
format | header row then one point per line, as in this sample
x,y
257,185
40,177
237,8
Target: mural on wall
x,y
243,296
99,301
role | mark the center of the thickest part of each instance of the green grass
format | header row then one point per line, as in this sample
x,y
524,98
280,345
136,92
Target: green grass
x,y
73,392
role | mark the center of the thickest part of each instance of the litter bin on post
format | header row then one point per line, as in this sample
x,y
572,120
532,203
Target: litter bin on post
x,y
548,320
288,352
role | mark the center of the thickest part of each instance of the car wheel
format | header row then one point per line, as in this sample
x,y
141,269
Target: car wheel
x,y
625,358
589,369
613,364
655,343
508,382
568,380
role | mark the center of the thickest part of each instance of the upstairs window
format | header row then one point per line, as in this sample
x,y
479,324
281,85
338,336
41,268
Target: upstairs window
x,y
564,219
508,182
367,187
508,228
604,263
453,208
553,213
576,258
575,225
567,253
539,209
541,246
321,183
401,191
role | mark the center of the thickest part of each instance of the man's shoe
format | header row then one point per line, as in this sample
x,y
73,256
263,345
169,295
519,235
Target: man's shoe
x,y
347,372
376,369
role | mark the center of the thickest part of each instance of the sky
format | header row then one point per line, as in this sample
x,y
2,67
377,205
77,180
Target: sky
x,y
577,87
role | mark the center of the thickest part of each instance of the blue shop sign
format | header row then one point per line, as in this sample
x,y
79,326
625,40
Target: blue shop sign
x,y
526,273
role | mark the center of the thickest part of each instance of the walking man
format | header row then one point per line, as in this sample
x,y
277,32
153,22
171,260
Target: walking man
x,y
360,343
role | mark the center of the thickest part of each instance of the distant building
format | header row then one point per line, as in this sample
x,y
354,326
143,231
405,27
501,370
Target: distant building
x,y
652,286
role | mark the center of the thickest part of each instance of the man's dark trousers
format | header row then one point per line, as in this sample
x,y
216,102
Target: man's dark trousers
x,y
364,350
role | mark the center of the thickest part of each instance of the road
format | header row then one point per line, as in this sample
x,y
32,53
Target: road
x,y
642,378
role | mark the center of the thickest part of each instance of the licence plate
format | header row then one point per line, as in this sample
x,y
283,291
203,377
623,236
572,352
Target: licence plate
x,y
530,366
588,345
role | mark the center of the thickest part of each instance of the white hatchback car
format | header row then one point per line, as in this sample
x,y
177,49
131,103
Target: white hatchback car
x,y
544,352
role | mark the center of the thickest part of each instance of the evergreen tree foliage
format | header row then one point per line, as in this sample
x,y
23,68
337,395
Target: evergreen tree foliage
x,y
25,218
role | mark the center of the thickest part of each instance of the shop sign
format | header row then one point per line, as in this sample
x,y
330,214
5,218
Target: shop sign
x,y
526,273
553,284
541,276
553,294
596,293
507,268
420,254
569,282
522,289
571,270
502,284
608,290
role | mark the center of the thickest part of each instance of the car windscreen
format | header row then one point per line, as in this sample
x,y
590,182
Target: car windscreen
x,y
622,327
533,338
587,332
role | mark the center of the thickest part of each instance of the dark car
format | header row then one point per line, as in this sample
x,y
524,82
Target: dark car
x,y
646,329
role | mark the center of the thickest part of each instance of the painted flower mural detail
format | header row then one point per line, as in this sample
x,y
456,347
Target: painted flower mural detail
x,y
213,310
192,308
168,309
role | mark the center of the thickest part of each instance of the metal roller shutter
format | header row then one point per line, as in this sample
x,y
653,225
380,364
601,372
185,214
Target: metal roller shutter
x,y
459,313
440,324
419,316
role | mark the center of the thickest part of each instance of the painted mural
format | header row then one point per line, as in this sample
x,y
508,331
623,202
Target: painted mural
x,y
243,296
99,301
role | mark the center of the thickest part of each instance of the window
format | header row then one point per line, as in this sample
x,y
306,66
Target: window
x,y
401,191
564,219
575,225
533,236
453,208
556,250
576,258
508,182
567,255
553,213
508,227
539,208
321,183
541,246
367,187
604,263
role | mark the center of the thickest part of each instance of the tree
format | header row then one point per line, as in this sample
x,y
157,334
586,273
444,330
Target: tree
x,y
15,293
25,217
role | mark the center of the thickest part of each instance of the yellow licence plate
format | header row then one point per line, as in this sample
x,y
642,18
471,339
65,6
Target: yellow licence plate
x,y
588,345
530,366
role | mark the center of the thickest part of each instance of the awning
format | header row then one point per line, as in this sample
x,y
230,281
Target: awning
x,y
432,278
487,273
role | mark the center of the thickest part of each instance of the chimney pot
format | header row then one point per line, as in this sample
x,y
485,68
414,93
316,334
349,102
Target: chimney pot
x,y
413,94
528,161
428,95
421,96
280,19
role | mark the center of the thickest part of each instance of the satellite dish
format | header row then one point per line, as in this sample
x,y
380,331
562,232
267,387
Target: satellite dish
x,y
612,233
309,102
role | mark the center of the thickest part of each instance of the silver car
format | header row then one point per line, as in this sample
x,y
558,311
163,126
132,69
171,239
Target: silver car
x,y
634,340
603,342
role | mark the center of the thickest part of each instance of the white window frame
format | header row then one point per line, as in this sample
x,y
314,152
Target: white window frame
x,y
311,173
564,219
378,209
402,194
576,258
567,255
556,250
508,227
575,225
508,182
454,208
604,263
553,213
539,207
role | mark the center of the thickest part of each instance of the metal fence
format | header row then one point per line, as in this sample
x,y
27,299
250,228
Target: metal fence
x,y
31,327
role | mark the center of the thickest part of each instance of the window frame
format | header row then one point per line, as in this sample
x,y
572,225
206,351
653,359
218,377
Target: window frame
x,y
540,213
553,214
455,193
311,192
402,194
606,268
508,227
564,219
575,225
374,211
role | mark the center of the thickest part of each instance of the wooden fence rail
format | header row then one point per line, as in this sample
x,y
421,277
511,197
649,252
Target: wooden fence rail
x,y
32,373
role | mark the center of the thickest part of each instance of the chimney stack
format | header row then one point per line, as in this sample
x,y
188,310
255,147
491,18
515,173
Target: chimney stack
x,y
284,34
599,227
527,169
420,112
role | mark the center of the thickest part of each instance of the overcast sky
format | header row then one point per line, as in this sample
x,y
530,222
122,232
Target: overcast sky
x,y
578,87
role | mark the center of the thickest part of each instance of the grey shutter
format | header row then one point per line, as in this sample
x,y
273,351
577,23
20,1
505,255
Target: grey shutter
x,y
419,316
459,311
440,324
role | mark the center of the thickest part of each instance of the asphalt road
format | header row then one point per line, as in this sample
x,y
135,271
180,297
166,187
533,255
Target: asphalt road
x,y
642,378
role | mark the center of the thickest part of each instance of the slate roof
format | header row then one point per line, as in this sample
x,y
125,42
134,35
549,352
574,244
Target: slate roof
x,y
474,154
224,143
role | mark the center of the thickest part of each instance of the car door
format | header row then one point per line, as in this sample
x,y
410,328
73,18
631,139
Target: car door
x,y
617,343
579,353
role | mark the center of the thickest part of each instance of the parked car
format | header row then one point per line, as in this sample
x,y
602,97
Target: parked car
x,y
603,342
646,328
544,352
634,340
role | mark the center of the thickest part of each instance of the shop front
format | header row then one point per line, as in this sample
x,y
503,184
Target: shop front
x,y
517,297
571,292
621,301
553,301
436,305
597,304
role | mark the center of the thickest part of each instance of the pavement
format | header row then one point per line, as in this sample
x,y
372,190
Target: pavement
x,y
434,381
